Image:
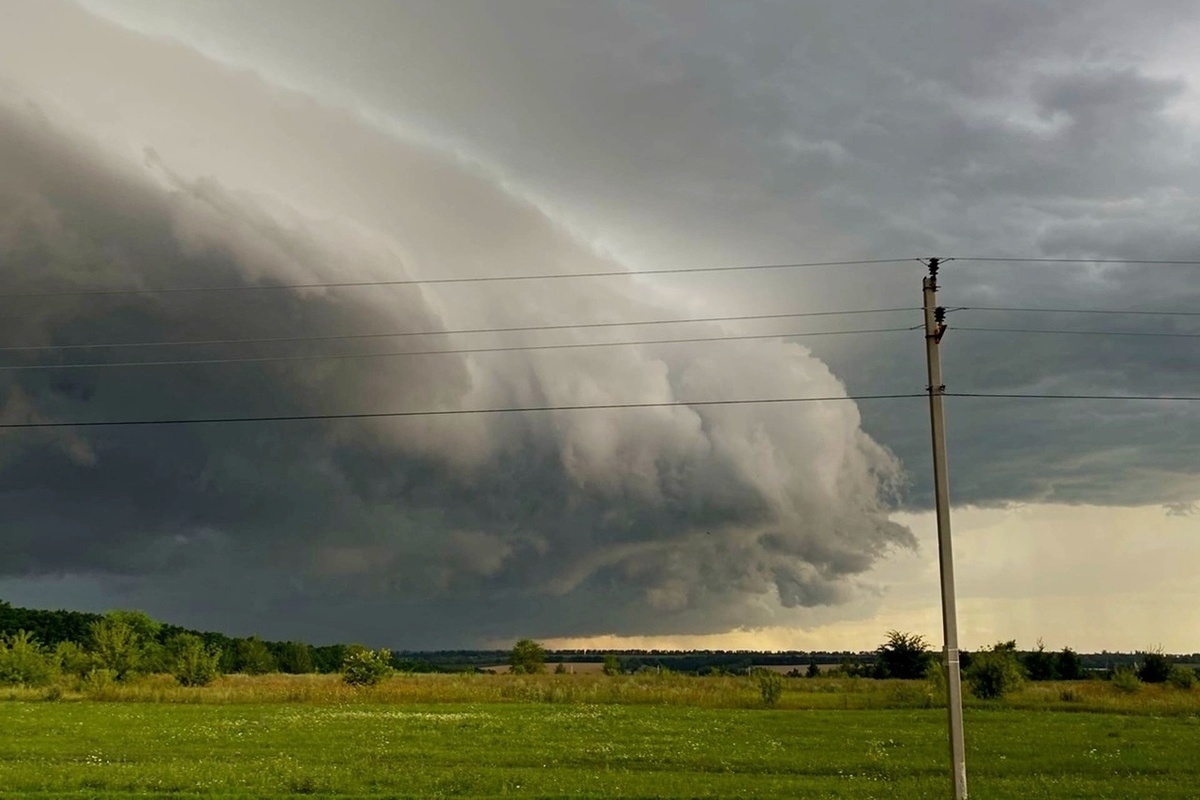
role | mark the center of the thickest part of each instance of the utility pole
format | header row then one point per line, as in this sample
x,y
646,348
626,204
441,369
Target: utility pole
x,y
935,328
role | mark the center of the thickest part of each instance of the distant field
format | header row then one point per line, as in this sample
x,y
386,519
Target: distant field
x,y
542,737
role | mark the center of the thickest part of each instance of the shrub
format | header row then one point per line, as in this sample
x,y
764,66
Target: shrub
x,y
1181,677
364,667
529,656
1068,665
22,662
813,671
612,665
1125,680
72,659
294,658
770,686
560,669
1154,667
903,655
1040,665
192,663
254,657
994,673
97,681
117,646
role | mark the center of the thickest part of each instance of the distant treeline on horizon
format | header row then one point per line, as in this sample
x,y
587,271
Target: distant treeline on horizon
x,y
255,655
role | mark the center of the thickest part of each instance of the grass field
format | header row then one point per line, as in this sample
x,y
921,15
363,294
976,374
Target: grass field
x,y
668,737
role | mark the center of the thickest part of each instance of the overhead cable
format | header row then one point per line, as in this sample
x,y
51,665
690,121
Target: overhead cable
x,y
399,334
1050,331
440,352
445,412
435,281
1128,311
1120,397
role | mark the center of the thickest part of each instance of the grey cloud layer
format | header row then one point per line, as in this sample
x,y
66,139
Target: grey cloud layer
x,y
463,528
672,134
708,132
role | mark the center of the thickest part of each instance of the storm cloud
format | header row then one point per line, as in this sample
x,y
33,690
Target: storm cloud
x,y
227,144
463,527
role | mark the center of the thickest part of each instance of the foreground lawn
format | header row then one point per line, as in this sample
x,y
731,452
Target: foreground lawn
x,y
95,749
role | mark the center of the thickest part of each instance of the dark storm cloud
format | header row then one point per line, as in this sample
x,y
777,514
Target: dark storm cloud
x,y
671,134
775,131
462,528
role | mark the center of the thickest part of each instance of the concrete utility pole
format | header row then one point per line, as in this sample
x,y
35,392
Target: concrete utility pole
x,y
935,327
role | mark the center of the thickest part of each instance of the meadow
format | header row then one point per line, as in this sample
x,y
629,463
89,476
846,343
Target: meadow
x,y
589,736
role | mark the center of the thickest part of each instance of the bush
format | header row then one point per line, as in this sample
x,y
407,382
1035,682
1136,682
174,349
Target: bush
x,y
72,659
364,667
1068,665
1039,664
527,657
117,646
1126,680
770,686
1181,677
903,655
22,662
612,665
192,663
97,682
254,657
1154,667
996,672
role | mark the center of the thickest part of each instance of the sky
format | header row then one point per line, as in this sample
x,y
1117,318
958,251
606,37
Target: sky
x,y
168,144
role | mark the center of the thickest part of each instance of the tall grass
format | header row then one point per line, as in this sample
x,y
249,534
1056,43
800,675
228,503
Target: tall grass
x,y
643,689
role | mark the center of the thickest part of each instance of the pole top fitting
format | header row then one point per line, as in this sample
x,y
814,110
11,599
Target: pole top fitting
x,y
939,329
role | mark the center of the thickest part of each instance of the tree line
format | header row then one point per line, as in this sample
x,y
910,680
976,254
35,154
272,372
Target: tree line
x,y
37,645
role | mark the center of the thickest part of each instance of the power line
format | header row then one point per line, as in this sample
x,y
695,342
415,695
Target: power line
x,y
1075,260
398,334
1135,312
1122,397
444,412
457,351
1080,333
433,281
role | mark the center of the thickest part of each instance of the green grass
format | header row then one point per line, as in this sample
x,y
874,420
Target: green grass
x,y
515,748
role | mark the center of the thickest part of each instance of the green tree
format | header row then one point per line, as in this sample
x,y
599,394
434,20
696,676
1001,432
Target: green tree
x,y
192,662
72,659
612,665
903,655
364,667
1068,665
1126,680
1154,667
145,626
116,646
1182,677
770,686
527,657
23,662
996,672
254,657
1040,665
294,658
814,671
